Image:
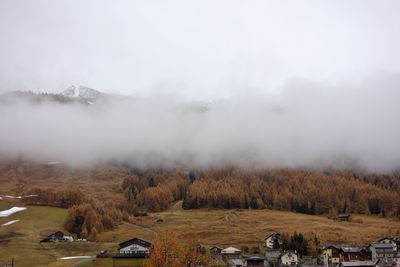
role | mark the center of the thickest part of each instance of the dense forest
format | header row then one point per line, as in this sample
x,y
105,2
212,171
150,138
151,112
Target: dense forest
x,y
120,193
302,191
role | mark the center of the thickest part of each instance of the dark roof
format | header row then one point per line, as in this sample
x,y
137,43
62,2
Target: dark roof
x,y
343,215
135,240
216,247
382,245
255,258
57,234
329,245
273,234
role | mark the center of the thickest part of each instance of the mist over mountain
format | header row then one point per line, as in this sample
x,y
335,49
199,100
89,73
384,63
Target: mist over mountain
x,y
253,84
308,125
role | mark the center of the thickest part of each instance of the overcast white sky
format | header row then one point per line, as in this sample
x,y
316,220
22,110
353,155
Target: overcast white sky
x,y
194,49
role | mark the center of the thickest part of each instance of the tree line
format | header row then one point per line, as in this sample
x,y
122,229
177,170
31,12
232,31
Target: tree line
x,y
295,190
303,191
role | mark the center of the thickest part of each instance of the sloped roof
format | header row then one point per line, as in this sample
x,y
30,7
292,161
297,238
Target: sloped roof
x,y
352,249
358,263
273,234
135,240
289,252
330,245
230,250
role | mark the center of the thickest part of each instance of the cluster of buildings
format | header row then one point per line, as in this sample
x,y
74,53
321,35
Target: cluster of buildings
x,y
59,236
230,256
383,253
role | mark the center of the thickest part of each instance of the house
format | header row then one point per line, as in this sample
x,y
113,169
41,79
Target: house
x,y
343,217
54,237
231,253
354,254
331,254
272,239
384,252
358,264
395,241
135,248
215,252
255,261
289,258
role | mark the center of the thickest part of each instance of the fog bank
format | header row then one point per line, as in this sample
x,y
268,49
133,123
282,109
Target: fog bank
x,y
308,124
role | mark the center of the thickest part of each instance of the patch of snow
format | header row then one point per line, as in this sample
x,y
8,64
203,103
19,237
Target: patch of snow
x,y
53,162
8,196
75,257
10,222
81,91
6,213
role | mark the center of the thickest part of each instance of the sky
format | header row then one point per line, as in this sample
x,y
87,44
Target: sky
x,y
284,83
198,50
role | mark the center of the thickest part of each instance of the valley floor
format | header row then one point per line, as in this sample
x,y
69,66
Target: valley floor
x,y
213,227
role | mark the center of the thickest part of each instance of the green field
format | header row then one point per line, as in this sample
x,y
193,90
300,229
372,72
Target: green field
x,y
21,241
24,237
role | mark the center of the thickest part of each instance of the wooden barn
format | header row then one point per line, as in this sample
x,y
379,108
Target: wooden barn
x,y
331,253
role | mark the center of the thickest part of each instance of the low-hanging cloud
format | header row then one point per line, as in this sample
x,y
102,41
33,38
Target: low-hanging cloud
x,y
172,54
309,124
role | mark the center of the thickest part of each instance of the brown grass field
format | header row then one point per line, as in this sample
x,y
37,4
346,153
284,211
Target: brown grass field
x,y
212,227
249,227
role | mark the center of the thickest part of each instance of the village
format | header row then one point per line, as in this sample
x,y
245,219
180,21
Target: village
x,y
384,252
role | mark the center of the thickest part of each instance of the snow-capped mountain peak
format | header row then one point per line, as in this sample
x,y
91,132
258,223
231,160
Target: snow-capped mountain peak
x,y
81,91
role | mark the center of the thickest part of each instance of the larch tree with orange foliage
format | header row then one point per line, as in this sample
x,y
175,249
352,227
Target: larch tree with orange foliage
x,y
170,251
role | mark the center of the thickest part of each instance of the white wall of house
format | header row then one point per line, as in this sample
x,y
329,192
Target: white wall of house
x,y
289,258
134,248
269,242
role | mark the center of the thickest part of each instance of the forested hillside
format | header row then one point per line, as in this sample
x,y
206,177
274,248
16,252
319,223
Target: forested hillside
x,y
111,193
